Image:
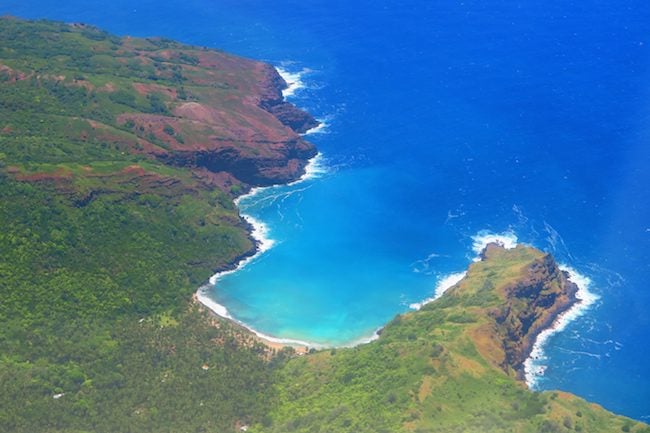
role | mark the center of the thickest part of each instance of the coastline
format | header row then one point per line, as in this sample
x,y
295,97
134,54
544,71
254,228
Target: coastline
x,y
293,80
259,232
506,239
340,249
442,286
219,311
534,365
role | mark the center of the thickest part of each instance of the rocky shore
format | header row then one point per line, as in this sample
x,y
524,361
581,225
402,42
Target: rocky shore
x,y
529,301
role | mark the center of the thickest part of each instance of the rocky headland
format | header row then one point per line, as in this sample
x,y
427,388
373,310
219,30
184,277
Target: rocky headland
x,y
530,304
219,115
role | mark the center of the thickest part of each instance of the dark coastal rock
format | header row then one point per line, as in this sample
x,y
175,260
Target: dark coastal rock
x,y
256,140
293,117
257,148
284,164
530,305
272,101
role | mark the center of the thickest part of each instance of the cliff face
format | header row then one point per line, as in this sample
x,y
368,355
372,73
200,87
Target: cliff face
x,y
530,305
230,118
184,106
273,102
523,292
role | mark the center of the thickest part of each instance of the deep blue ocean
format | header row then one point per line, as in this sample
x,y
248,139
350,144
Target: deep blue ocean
x,y
444,120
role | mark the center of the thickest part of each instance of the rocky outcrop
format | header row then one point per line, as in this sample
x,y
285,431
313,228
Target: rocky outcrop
x,y
531,304
292,116
273,102
256,140
284,165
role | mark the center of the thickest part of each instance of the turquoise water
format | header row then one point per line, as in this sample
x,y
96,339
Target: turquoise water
x,y
325,279
444,119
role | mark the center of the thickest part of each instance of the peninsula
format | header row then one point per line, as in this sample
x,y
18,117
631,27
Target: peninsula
x,y
120,159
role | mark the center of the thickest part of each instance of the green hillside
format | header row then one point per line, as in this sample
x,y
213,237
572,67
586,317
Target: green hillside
x,y
441,369
103,243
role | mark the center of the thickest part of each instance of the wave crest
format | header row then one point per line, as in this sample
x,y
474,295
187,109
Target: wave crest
x,y
507,240
443,285
293,80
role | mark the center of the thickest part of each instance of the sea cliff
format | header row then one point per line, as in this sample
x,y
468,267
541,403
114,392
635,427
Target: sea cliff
x,y
528,305
220,115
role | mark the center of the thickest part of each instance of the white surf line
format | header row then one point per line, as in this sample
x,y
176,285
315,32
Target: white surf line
x,y
293,80
294,84
314,169
260,231
364,340
321,128
506,239
534,366
263,241
443,285
222,311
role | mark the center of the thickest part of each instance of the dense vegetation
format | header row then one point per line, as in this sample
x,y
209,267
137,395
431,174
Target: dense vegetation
x,y
102,245
100,252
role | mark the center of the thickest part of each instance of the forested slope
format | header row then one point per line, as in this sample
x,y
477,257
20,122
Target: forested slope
x,y
106,231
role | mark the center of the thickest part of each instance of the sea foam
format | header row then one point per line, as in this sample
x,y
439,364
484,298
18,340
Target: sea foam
x,y
295,83
443,285
220,310
315,168
322,128
535,364
293,80
507,240
366,339
261,234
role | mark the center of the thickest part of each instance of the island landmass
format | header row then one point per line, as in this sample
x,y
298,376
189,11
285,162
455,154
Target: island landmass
x,y
120,159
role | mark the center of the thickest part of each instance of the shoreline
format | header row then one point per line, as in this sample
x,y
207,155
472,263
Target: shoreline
x,y
293,80
506,239
259,233
534,366
270,342
442,286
